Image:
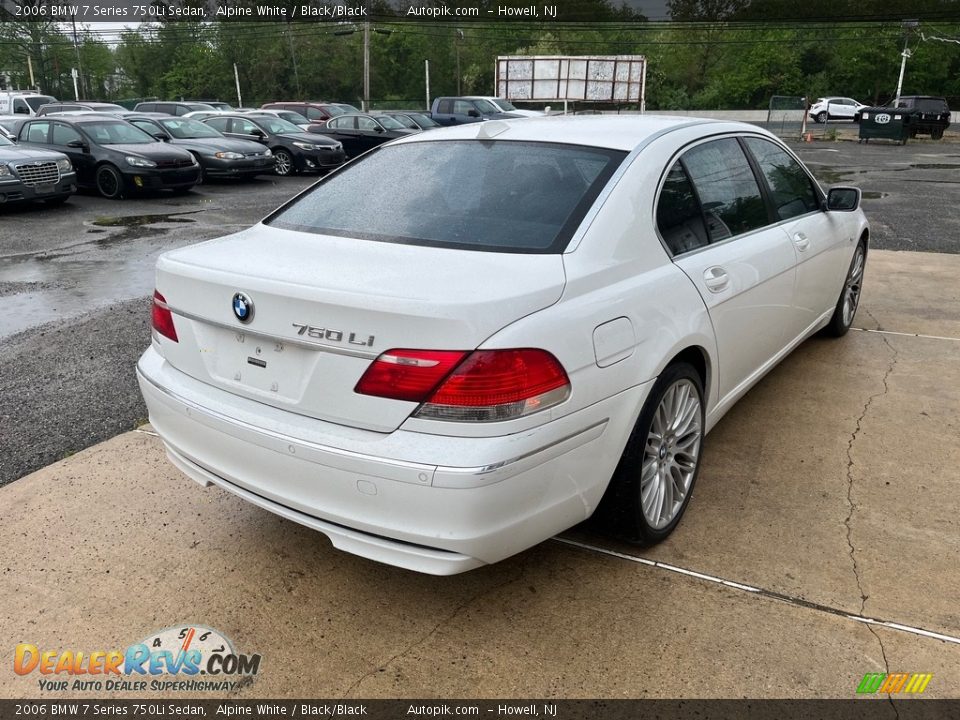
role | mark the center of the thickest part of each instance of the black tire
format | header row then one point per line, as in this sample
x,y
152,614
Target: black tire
x,y
285,165
822,117
621,511
841,320
109,182
937,134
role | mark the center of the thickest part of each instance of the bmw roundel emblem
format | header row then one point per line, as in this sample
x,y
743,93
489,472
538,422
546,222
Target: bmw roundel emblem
x,y
242,307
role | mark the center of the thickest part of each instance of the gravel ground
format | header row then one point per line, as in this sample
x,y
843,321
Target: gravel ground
x,y
66,387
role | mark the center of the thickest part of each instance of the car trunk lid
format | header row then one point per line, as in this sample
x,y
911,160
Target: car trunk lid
x,y
322,308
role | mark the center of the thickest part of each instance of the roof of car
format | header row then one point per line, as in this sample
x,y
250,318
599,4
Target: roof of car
x,y
83,117
617,132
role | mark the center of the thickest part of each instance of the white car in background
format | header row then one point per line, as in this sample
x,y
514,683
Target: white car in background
x,y
543,327
835,108
507,106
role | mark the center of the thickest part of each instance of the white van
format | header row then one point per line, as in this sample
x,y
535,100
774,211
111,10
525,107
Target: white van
x,y
22,102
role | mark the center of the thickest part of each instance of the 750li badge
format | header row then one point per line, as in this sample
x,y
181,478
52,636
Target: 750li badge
x,y
319,333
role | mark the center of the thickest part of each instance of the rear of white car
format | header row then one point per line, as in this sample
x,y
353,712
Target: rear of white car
x,y
441,377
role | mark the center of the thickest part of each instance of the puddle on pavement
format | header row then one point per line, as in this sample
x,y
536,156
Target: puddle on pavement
x,y
59,286
138,220
831,176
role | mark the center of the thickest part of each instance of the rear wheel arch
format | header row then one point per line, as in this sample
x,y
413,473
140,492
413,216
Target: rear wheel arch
x,y
699,358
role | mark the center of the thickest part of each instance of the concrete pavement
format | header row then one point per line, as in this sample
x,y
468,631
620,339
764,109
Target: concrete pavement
x,y
833,484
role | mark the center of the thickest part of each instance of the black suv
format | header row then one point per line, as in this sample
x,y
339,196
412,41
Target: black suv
x,y
928,114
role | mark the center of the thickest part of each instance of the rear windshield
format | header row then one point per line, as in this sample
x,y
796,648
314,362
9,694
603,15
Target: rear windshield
x,y
500,196
930,105
35,101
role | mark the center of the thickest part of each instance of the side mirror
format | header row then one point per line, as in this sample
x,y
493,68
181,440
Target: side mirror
x,y
161,136
473,113
78,145
843,199
257,132
378,129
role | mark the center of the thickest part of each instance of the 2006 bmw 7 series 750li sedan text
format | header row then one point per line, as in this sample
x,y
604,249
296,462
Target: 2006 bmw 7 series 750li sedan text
x,y
474,338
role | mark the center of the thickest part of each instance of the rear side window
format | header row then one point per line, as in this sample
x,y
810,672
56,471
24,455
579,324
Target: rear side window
x,y
63,134
218,123
679,219
790,187
37,132
727,188
499,196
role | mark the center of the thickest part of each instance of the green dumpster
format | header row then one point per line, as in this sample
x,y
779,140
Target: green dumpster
x,y
885,123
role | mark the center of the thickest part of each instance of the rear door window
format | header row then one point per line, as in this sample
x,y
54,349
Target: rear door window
x,y
727,188
37,132
218,123
63,134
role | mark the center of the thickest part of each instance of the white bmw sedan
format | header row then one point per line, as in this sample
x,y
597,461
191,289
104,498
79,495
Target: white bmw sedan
x,y
471,339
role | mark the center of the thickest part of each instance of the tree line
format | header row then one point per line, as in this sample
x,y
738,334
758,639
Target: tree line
x,y
711,54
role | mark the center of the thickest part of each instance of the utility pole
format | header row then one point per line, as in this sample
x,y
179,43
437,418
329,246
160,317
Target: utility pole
x,y
908,25
76,48
236,79
293,56
457,43
366,66
426,70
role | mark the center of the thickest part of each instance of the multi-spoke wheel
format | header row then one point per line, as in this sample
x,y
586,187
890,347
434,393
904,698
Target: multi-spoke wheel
x,y
651,486
284,164
849,300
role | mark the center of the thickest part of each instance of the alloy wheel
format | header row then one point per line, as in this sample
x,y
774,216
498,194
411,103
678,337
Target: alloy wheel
x,y
851,291
284,164
671,454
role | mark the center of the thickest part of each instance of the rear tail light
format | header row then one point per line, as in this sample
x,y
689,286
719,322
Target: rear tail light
x,y
482,386
162,317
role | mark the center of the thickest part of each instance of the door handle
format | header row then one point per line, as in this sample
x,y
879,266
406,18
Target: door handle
x,y
716,279
801,241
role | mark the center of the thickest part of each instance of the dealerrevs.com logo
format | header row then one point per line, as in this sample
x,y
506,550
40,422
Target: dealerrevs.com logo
x,y
188,658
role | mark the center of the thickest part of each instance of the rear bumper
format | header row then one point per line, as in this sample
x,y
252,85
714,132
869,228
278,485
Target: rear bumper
x,y
393,497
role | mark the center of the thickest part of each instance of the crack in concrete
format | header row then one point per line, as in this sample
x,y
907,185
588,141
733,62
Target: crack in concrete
x,y
853,507
429,634
879,326
886,667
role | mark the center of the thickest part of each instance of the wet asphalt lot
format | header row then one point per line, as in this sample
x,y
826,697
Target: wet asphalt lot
x,y
75,282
